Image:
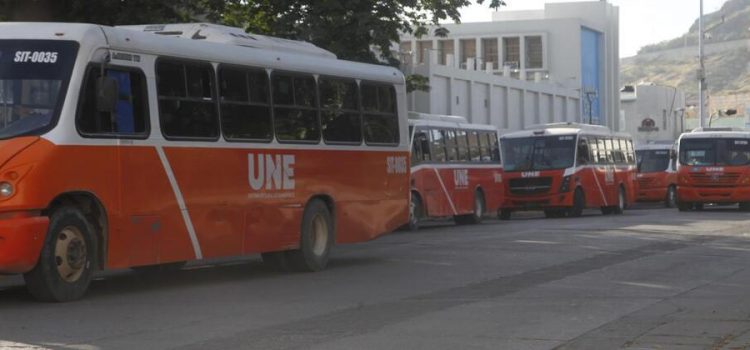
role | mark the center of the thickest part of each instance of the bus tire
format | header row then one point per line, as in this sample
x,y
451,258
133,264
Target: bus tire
x,y
316,239
621,202
684,206
67,260
671,200
476,216
416,212
579,202
505,214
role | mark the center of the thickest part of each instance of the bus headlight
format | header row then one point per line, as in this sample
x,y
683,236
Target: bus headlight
x,y
6,189
565,186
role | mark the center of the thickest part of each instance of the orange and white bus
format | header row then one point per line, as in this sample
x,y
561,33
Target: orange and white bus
x,y
714,167
455,169
563,168
657,173
160,144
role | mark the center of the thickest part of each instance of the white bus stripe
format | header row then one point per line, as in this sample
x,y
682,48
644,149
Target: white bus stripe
x,y
596,179
180,202
445,190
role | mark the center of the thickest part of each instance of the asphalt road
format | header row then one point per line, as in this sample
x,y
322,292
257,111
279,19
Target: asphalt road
x,y
650,279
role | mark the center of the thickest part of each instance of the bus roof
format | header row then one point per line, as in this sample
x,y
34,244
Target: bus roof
x,y
446,121
207,42
716,134
656,146
555,129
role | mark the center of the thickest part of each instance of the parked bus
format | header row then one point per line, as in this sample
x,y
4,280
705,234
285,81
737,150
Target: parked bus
x,y
455,169
160,144
563,168
657,173
714,167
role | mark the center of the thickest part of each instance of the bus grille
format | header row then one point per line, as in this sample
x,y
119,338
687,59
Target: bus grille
x,y
535,185
714,180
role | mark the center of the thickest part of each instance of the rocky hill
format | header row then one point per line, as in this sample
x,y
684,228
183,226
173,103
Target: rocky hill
x,y
674,62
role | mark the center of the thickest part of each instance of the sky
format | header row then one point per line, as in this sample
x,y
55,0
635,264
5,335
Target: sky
x,y
642,22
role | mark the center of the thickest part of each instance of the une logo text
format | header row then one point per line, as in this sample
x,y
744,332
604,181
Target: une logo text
x,y
271,171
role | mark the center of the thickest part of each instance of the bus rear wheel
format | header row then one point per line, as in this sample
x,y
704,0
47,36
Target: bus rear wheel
x,y
416,212
317,235
67,260
476,216
621,202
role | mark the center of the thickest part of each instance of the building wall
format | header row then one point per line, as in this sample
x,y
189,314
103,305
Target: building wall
x,y
507,103
662,105
523,90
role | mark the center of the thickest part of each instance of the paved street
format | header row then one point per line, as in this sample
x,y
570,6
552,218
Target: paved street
x,y
650,279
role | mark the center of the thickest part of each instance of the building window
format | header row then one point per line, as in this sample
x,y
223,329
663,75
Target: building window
x,y
534,52
446,48
489,52
405,54
423,51
512,52
468,50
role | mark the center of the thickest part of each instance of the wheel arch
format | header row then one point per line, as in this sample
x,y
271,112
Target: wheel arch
x,y
93,209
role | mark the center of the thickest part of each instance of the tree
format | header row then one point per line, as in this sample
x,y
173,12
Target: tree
x,y
351,28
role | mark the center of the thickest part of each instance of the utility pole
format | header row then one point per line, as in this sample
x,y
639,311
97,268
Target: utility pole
x,y
701,72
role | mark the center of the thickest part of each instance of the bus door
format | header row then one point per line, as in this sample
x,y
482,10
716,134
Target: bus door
x,y
604,174
435,186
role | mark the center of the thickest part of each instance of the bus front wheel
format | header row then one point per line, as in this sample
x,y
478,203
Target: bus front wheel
x,y
316,239
416,212
67,260
579,202
671,200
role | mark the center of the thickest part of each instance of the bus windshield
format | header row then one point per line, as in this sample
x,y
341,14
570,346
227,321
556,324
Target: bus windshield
x,y
713,152
34,76
539,153
652,161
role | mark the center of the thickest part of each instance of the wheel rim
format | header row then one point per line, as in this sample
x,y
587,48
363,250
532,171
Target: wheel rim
x,y
621,198
71,254
479,207
672,197
319,235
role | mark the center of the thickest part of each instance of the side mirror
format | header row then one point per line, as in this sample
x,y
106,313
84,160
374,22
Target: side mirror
x,y
107,94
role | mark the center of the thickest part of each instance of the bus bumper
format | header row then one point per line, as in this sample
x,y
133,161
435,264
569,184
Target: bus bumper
x,y
21,242
651,194
548,201
713,195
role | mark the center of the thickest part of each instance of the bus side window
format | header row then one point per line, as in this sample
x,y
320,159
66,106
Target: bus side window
x,y
583,152
631,154
380,114
245,111
450,145
484,147
438,146
494,146
474,154
421,147
295,108
602,159
339,114
463,145
187,105
130,117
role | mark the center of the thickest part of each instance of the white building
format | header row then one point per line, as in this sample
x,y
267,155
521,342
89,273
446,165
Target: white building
x,y
525,67
653,112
